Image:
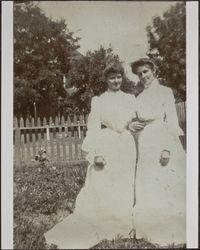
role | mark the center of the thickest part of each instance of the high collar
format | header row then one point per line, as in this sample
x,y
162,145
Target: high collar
x,y
110,92
153,84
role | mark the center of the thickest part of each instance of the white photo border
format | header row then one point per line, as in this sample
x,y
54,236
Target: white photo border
x,y
192,115
7,124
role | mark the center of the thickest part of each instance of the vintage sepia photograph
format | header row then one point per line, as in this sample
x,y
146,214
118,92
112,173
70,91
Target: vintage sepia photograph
x,y
99,125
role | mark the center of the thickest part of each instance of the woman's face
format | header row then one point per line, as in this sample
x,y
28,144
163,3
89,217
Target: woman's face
x,y
145,74
114,81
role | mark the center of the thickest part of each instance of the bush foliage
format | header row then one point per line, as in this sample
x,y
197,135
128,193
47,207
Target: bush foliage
x,y
42,195
167,41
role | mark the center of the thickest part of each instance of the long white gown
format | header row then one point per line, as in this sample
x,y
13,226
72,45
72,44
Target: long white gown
x,y
160,210
104,205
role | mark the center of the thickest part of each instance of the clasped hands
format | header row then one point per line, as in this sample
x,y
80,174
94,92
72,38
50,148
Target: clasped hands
x,y
135,126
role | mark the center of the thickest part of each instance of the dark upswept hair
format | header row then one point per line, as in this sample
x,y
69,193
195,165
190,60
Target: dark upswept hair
x,y
113,68
142,62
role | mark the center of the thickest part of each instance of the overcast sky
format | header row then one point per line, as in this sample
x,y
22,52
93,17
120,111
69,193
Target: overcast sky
x,y
119,23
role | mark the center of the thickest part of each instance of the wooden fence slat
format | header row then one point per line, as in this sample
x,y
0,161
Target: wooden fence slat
x,y
28,135
73,129
69,132
45,134
81,134
86,118
76,135
16,122
33,137
51,134
36,137
76,140
183,111
42,133
81,119
21,123
57,139
75,119
63,138
177,110
39,134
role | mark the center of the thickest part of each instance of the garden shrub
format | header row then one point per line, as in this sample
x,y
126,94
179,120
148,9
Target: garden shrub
x,y
41,193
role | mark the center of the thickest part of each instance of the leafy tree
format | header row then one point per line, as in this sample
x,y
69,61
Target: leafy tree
x,y
167,40
42,54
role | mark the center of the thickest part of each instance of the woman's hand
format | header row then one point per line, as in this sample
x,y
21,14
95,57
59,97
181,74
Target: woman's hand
x,y
165,157
99,162
135,126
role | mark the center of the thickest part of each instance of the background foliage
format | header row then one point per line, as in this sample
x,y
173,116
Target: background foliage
x,y
42,51
167,41
45,50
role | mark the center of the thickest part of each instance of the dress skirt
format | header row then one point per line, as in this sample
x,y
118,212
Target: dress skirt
x,y
160,210
104,206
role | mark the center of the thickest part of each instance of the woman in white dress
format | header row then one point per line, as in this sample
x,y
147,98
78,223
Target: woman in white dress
x,y
160,210
104,206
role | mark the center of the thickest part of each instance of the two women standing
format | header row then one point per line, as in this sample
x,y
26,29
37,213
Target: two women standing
x,y
104,206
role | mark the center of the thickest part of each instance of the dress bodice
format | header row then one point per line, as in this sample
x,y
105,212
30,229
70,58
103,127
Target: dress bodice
x,y
151,102
112,109
116,109
157,103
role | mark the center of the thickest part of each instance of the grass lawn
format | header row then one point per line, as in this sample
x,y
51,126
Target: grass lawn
x,y
44,195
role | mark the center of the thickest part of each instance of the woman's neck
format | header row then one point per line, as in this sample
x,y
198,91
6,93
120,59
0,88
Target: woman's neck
x,y
112,91
153,83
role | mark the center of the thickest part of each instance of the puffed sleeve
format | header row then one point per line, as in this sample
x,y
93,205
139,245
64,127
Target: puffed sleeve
x,y
171,114
131,109
90,143
127,115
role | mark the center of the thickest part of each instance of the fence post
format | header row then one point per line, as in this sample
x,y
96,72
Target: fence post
x,y
28,136
51,136
63,138
22,140
57,138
